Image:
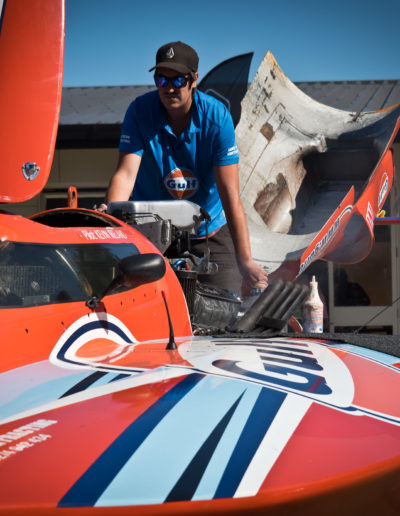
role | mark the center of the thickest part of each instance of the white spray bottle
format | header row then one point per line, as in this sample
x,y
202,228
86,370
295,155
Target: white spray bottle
x,y
313,310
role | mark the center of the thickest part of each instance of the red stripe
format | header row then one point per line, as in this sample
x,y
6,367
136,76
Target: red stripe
x,y
84,430
329,442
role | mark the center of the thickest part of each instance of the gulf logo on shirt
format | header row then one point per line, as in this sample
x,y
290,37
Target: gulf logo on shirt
x,y
181,183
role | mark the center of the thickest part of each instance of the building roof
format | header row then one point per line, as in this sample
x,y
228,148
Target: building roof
x,y
94,114
98,105
107,104
355,96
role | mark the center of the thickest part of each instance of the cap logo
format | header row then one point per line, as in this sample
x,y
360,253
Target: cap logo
x,y
170,53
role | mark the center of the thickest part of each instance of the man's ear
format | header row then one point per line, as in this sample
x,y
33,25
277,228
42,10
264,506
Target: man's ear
x,y
194,83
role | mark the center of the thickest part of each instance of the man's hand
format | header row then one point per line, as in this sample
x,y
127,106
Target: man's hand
x,y
254,276
102,208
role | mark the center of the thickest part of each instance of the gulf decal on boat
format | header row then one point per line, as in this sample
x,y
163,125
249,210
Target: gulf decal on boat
x,y
308,368
297,366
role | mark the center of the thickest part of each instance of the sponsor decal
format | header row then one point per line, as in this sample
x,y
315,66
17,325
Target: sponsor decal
x,y
299,367
125,138
181,183
103,234
232,151
322,243
369,217
11,443
170,53
383,190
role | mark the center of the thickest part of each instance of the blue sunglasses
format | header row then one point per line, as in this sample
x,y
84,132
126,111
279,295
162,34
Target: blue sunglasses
x,y
176,82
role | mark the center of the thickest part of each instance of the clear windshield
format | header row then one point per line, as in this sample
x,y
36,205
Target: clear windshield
x,y
40,274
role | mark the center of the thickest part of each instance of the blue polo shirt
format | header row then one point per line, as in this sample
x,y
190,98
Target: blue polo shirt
x,y
180,167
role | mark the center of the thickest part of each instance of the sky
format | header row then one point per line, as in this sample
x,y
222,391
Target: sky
x,y
114,42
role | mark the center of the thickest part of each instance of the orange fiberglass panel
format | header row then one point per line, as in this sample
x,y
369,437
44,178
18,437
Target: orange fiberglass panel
x,y
31,65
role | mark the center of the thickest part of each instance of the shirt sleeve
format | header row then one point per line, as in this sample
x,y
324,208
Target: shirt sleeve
x,y
131,138
225,149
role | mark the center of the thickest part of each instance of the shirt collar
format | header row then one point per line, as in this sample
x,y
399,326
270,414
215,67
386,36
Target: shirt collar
x,y
194,126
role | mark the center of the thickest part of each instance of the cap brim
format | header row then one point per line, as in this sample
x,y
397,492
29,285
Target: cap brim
x,y
172,66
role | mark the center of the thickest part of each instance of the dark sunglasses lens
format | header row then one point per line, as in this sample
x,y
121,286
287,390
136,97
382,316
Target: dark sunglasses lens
x,y
177,82
160,81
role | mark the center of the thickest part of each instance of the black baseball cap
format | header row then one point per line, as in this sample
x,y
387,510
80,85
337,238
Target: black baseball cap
x,y
177,56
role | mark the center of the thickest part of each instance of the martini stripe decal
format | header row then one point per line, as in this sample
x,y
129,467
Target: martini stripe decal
x,y
265,409
186,486
281,430
87,490
217,465
119,377
85,383
2,9
165,454
40,387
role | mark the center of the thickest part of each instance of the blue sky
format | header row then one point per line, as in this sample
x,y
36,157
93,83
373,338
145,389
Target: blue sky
x,y
113,42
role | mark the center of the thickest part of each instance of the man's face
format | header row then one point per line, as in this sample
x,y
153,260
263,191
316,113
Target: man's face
x,y
176,99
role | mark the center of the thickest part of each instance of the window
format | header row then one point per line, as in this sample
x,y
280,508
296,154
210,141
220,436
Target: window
x,y
370,281
40,274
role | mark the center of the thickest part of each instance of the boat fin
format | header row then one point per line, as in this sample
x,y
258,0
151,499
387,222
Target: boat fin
x,y
228,82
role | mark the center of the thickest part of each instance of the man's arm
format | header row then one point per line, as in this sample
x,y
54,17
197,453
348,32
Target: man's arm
x,y
123,180
227,179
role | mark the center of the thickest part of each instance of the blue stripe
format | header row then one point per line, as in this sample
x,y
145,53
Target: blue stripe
x,y
88,489
119,377
267,406
42,393
84,384
96,379
186,486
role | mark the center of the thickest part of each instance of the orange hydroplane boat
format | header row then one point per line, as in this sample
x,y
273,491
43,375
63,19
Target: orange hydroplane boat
x,y
109,404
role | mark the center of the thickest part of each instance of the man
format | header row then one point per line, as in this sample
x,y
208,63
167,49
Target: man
x,y
180,143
